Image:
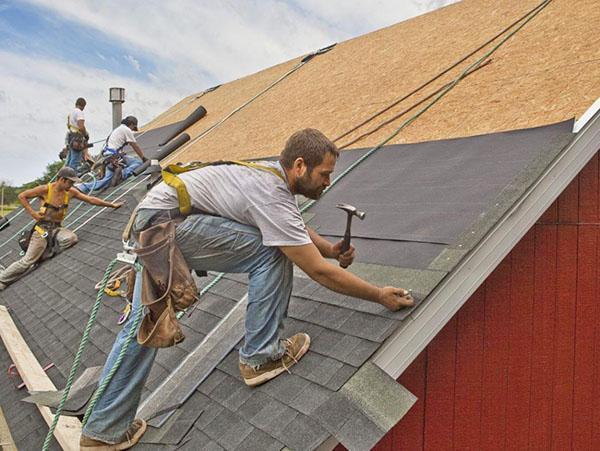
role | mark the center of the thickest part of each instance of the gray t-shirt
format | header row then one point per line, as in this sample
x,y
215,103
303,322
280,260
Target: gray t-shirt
x,y
245,195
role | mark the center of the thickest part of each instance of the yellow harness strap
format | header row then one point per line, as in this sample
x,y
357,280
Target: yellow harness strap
x,y
170,176
48,200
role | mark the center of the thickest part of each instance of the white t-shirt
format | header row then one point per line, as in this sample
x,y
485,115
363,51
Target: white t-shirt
x,y
245,195
76,115
119,137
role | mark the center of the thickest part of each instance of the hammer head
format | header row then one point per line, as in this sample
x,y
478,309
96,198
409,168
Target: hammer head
x,y
352,210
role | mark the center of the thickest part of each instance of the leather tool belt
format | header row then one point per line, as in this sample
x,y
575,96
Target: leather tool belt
x,y
167,285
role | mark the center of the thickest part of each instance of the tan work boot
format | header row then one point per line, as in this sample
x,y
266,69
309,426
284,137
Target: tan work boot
x,y
129,439
296,346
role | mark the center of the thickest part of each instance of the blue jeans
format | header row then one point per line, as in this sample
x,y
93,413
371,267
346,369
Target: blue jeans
x,y
74,158
208,243
132,164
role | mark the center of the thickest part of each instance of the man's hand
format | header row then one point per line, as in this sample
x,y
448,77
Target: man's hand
x,y
117,204
394,298
36,216
345,258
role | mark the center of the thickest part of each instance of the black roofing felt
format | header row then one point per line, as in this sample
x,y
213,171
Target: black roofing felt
x,y
427,205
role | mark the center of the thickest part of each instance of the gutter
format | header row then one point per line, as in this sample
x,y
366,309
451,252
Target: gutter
x,y
417,330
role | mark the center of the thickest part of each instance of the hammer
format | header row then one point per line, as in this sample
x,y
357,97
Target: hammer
x,y
351,211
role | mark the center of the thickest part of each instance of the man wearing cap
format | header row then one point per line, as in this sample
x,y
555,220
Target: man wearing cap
x,y
48,236
119,164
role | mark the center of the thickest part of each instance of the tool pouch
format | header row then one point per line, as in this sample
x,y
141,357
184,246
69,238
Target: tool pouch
x,y
167,286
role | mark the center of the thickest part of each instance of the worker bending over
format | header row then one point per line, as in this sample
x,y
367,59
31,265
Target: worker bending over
x,y
243,220
118,165
48,236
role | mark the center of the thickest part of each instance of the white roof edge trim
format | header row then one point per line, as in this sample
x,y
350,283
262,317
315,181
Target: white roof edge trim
x,y
585,117
401,348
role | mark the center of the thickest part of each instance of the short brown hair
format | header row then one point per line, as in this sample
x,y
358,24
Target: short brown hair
x,y
80,102
309,144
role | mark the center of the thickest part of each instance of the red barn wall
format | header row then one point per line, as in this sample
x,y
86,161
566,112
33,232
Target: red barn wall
x,y
519,365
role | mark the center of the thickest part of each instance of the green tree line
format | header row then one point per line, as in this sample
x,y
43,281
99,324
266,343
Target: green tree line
x,y
11,192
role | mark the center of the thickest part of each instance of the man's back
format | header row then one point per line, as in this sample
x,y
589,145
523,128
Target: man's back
x,y
246,195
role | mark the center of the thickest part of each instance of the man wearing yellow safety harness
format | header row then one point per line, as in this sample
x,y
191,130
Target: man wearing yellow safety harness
x,y
48,236
238,218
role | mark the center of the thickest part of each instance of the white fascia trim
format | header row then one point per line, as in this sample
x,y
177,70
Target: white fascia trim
x,y
585,117
420,328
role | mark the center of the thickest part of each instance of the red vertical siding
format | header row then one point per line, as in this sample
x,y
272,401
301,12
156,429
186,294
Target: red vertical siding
x,y
519,365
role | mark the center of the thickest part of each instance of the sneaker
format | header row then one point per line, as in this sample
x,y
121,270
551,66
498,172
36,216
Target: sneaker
x,y
295,347
129,439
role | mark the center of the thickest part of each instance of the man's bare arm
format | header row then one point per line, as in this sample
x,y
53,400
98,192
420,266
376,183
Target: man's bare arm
x,y
93,200
308,259
31,193
138,150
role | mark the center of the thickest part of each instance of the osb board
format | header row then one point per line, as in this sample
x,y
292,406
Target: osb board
x,y
546,73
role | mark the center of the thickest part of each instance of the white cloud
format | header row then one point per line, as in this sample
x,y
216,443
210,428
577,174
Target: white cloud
x,y
134,63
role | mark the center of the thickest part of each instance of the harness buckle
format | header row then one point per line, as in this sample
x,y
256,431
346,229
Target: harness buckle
x,y
126,256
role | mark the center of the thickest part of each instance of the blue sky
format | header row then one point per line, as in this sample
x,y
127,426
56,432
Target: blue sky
x,y
53,51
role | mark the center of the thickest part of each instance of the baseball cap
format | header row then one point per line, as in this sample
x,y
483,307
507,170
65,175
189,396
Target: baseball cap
x,y
131,120
68,173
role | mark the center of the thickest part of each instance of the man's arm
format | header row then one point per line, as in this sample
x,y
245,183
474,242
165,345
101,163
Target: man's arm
x,y
31,193
138,150
309,259
81,127
329,250
93,200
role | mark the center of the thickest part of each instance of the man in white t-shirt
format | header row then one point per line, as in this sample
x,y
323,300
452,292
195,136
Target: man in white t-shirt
x,y
77,136
244,220
119,164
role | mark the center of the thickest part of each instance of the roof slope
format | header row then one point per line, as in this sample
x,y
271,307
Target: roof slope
x,y
405,244
546,73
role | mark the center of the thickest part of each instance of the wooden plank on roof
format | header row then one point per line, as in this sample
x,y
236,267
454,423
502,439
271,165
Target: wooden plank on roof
x,y
68,429
6,441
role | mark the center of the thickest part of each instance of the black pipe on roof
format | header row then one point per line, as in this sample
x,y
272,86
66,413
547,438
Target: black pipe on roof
x,y
198,114
165,151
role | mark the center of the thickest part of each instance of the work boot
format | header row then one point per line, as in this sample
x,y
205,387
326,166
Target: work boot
x,y
129,439
295,347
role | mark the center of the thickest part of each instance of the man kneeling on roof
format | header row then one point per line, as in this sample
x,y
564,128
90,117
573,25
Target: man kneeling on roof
x,y
244,219
48,237
118,165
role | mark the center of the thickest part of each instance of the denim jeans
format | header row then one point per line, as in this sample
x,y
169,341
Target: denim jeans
x,y
213,244
74,158
131,163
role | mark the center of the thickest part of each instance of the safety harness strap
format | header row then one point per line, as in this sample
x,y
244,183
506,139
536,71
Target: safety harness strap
x,y
170,176
48,203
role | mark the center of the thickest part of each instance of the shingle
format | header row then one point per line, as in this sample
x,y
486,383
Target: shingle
x,y
371,327
359,433
259,440
301,308
309,398
329,316
228,429
212,381
198,440
285,387
303,433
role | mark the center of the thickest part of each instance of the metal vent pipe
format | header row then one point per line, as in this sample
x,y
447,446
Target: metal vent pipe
x,y
116,96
